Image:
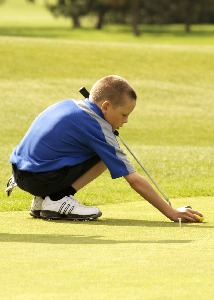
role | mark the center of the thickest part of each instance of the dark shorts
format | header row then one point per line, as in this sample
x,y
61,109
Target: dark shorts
x,y
46,183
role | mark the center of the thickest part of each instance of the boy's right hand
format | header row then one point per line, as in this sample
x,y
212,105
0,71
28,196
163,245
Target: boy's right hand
x,y
186,214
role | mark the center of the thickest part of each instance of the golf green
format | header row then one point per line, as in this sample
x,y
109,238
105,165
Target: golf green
x,y
130,252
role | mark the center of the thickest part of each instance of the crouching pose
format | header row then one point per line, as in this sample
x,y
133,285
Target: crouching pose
x,y
71,143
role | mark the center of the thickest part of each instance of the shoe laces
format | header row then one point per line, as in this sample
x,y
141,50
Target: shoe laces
x,y
77,201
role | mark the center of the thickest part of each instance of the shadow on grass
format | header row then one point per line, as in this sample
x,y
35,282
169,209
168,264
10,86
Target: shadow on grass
x,y
68,32
36,32
131,222
76,239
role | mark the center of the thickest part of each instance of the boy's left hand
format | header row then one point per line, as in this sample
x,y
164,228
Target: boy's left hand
x,y
186,214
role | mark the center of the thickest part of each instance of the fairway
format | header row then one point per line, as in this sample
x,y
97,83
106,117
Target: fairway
x,y
131,252
170,130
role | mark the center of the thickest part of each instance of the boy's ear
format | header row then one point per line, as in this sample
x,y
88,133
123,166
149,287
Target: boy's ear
x,y
105,106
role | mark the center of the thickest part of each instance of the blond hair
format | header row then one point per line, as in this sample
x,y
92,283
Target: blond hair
x,y
113,88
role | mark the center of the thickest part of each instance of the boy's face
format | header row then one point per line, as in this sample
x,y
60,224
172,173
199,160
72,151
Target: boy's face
x,y
117,116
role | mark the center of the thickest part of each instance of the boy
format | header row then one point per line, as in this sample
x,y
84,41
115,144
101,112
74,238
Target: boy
x,y
71,143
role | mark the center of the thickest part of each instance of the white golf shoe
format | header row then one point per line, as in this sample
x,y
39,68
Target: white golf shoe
x,y
36,207
68,208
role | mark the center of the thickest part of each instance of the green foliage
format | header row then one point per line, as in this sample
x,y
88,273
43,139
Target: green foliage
x,y
135,12
68,8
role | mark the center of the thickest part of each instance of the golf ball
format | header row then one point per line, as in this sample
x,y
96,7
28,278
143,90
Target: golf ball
x,y
201,218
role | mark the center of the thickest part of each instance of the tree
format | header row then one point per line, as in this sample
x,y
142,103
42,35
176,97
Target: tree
x,y
189,10
128,10
102,7
184,12
135,6
73,9
134,12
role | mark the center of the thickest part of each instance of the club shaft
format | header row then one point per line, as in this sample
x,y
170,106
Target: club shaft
x,y
144,169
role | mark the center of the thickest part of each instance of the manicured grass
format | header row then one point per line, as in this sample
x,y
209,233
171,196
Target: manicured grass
x,y
200,35
132,252
170,130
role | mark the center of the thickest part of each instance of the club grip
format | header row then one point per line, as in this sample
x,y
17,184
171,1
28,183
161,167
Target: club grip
x,y
84,92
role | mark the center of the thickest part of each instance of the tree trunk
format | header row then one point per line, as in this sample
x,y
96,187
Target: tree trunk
x,y
189,8
100,20
76,21
135,16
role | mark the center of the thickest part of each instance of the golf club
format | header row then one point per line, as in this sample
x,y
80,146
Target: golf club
x,y
144,169
86,94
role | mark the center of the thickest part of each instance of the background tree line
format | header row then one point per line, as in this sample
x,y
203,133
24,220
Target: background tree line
x,y
134,12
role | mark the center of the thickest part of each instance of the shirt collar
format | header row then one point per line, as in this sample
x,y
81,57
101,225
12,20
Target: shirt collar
x,y
94,107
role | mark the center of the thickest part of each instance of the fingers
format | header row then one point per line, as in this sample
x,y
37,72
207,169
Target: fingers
x,y
190,218
189,215
195,214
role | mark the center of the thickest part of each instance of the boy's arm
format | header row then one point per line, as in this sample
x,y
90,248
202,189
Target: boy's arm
x,y
142,187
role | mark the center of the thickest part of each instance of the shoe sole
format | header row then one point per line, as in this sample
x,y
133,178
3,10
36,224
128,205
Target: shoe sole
x,y
35,214
52,215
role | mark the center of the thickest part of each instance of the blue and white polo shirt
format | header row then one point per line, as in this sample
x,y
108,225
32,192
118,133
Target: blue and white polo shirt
x,y
68,133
